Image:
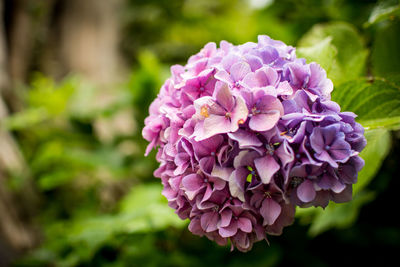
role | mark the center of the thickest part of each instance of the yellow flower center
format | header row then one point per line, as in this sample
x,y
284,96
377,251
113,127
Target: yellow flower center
x,y
204,111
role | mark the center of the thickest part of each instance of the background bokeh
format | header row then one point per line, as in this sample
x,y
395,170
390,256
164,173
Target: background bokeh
x,y
76,80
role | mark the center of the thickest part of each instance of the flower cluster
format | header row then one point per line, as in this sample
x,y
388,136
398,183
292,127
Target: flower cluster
x,y
247,133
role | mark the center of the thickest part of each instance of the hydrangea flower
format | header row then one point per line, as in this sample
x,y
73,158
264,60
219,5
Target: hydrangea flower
x,y
245,134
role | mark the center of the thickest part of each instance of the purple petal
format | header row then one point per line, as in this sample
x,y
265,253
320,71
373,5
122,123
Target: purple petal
x,y
245,138
298,74
266,76
229,60
270,211
306,191
266,168
228,231
192,182
285,153
207,164
254,62
316,140
340,150
324,156
222,172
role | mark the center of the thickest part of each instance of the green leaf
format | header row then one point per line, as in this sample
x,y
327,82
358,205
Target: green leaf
x,y
376,102
338,47
383,11
323,52
378,146
151,210
385,53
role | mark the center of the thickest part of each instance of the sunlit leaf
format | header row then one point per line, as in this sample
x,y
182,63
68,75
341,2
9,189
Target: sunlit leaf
x,y
376,102
324,39
384,10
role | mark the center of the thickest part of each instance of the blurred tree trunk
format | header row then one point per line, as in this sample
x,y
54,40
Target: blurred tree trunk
x,y
86,37
15,233
69,36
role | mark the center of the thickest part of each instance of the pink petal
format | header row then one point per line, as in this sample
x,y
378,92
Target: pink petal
x,y
224,76
266,76
223,96
209,221
239,114
239,70
244,224
226,217
245,138
236,183
213,125
264,122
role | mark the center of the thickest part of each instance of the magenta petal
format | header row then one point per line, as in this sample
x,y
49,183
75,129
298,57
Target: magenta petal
x,y
306,191
192,182
228,231
219,184
270,210
244,224
209,221
266,168
207,164
264,122
226,217
195,227
207,193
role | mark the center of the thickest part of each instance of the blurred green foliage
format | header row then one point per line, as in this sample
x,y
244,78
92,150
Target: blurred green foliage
x,y
101,206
